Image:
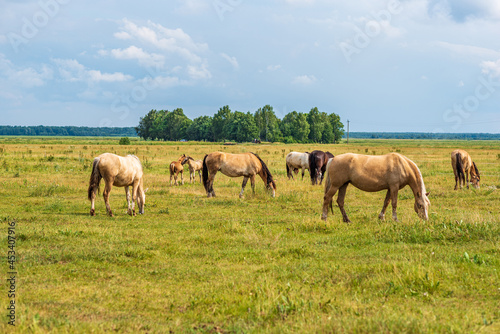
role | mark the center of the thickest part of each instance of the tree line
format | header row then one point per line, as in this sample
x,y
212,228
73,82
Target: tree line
x,y
41,130
228,125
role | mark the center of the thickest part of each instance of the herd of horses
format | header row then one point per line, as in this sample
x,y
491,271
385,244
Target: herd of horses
x,y
369,173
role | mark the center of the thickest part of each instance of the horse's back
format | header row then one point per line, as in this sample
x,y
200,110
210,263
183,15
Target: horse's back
x,y
122,170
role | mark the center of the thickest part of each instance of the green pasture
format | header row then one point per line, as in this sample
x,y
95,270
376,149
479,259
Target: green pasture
x,y
258,264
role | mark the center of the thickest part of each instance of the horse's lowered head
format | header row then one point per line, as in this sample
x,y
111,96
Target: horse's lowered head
x,y
422,204
475,177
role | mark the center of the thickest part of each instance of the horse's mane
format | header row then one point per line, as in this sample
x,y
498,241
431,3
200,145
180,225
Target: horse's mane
x,y
477,171
419,175
269,177
134,156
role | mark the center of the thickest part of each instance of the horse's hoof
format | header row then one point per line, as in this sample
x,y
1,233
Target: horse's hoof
x,y
92,212
133,213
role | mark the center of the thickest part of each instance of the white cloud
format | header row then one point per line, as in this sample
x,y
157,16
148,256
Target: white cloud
x,y
470,50
26,77
71,70
491,67
199,72
136,53
304,80
273,67
232,60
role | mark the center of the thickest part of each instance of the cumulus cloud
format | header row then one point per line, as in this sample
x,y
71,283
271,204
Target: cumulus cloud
x,y
26,77
491,67
304,80
71,70
135,53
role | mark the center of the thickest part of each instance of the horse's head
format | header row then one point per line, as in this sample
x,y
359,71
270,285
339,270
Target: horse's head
x,y
272,186
422,204
475,177
183,159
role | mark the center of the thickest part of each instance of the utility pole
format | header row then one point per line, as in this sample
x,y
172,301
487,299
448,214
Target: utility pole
x,y
347,131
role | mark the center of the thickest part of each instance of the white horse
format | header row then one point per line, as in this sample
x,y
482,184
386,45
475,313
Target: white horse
x,y
296,161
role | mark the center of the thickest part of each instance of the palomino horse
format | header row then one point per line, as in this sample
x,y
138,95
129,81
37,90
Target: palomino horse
x,y
120,172
296,161
370,173
194,166
463,166
234,165
317,165
176,168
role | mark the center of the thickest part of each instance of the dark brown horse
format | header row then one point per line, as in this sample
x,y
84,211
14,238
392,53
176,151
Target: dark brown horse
x,y
234,165
463,166
317,165
372,173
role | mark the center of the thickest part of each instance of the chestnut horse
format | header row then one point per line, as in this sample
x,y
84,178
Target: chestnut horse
x,y
317,165
176,168
463,166
234,165
370,173
120,172
296,161
194,166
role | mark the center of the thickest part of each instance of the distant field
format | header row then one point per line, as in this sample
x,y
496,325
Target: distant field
x,y
257,264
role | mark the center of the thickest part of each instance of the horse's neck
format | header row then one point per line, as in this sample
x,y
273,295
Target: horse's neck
x,y
416,181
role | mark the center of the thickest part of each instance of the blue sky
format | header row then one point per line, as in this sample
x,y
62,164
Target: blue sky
x,y
408,65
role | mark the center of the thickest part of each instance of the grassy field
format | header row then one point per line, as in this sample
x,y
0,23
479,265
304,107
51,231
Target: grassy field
x,y
257,264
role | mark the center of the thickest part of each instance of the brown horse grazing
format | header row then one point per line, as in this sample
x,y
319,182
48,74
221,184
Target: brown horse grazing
x,y
463,166
370,173
317,165
176,168
194,166
120,172
234,165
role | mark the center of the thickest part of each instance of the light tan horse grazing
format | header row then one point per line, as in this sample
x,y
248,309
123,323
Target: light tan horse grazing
x,y
194,166
296,161
176,168
120,172
234,165
370,173
463,166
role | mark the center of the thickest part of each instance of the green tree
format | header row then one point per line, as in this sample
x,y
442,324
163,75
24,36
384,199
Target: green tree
x,y
219,121
338,127
316,123
151,125
241,127
295,127
268,124
200,129
176,125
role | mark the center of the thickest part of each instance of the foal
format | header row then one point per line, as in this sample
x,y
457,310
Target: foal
x,y
194,166
176,168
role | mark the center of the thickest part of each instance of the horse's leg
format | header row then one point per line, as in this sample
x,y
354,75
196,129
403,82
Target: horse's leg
x,y
303,170
327,201
210,187
182,178
134,196
105,194
243,185
381,216
340,202
199,174
456,180
127,194
252,183
467,178
92,200
394,202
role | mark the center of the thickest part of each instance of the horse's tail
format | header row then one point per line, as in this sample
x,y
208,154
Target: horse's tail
x,y
312,167
328,184
172,168
204,173
460,167
269,177
95,178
